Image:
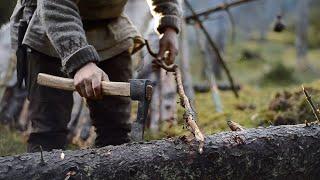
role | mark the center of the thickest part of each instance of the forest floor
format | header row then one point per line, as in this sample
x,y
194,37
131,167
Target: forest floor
x,y
272,70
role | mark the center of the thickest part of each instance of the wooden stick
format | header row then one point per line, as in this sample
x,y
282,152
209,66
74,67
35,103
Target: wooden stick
x,y
220,7
189,114
313,107
108,88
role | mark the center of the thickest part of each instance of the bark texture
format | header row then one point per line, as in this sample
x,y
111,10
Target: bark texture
x,y
281,152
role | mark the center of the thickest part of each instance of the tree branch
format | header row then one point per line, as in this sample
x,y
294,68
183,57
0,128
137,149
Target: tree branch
x,y
220,7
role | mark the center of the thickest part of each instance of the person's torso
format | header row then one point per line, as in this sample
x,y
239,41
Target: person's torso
x,y
101,9
106,37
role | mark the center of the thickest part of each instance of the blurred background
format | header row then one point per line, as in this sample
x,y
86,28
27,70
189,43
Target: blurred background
x,y
271,48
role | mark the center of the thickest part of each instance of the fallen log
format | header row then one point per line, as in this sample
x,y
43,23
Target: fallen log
x,y
281,152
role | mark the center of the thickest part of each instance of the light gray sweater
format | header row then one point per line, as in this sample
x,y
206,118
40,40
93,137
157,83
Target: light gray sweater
x,y
58,28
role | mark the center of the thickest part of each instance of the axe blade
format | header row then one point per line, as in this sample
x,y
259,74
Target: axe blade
x,y
140,90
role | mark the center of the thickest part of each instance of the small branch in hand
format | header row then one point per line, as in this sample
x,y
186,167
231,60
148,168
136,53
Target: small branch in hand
x,y
189,114
309,99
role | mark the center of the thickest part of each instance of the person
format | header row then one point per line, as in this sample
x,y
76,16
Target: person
x,y
90,41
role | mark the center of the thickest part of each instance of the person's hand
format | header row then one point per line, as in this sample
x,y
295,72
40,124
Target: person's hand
x,y
168,43
87,81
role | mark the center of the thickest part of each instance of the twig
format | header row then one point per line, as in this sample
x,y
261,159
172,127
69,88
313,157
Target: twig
x,y
42,162
220,7
233,25
215,49
189,114
234,126
309,99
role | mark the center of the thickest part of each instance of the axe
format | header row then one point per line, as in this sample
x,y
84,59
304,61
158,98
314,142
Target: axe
x,y
137,89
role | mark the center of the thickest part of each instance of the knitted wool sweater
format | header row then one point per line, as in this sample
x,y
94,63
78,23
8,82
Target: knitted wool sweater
x,y
82,31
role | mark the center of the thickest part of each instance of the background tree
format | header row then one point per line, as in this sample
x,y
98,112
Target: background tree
x,y
302,25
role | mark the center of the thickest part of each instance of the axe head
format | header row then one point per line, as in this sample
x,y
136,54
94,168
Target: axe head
x,y
140,90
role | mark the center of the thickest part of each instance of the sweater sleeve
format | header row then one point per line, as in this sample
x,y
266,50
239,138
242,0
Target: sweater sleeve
x,y
62,23
167,13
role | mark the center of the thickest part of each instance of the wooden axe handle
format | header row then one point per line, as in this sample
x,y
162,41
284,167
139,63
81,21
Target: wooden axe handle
x,y
108,88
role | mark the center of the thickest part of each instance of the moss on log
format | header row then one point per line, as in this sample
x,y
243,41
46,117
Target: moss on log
x,y
282,152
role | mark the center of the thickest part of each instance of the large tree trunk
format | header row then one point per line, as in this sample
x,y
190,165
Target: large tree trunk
x,y
281,152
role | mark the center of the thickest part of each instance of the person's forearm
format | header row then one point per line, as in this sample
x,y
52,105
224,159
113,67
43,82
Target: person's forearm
x,y
63,25
168,14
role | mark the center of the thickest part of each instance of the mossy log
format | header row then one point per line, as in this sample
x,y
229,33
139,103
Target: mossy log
x,y
281,152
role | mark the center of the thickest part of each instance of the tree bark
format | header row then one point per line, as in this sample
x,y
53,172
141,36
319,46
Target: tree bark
x,y
281,152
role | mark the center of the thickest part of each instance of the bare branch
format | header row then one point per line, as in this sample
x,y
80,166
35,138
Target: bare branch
x,y
189,114
309,99
220,7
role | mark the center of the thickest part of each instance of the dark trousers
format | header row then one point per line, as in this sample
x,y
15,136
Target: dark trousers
x,y
50,109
